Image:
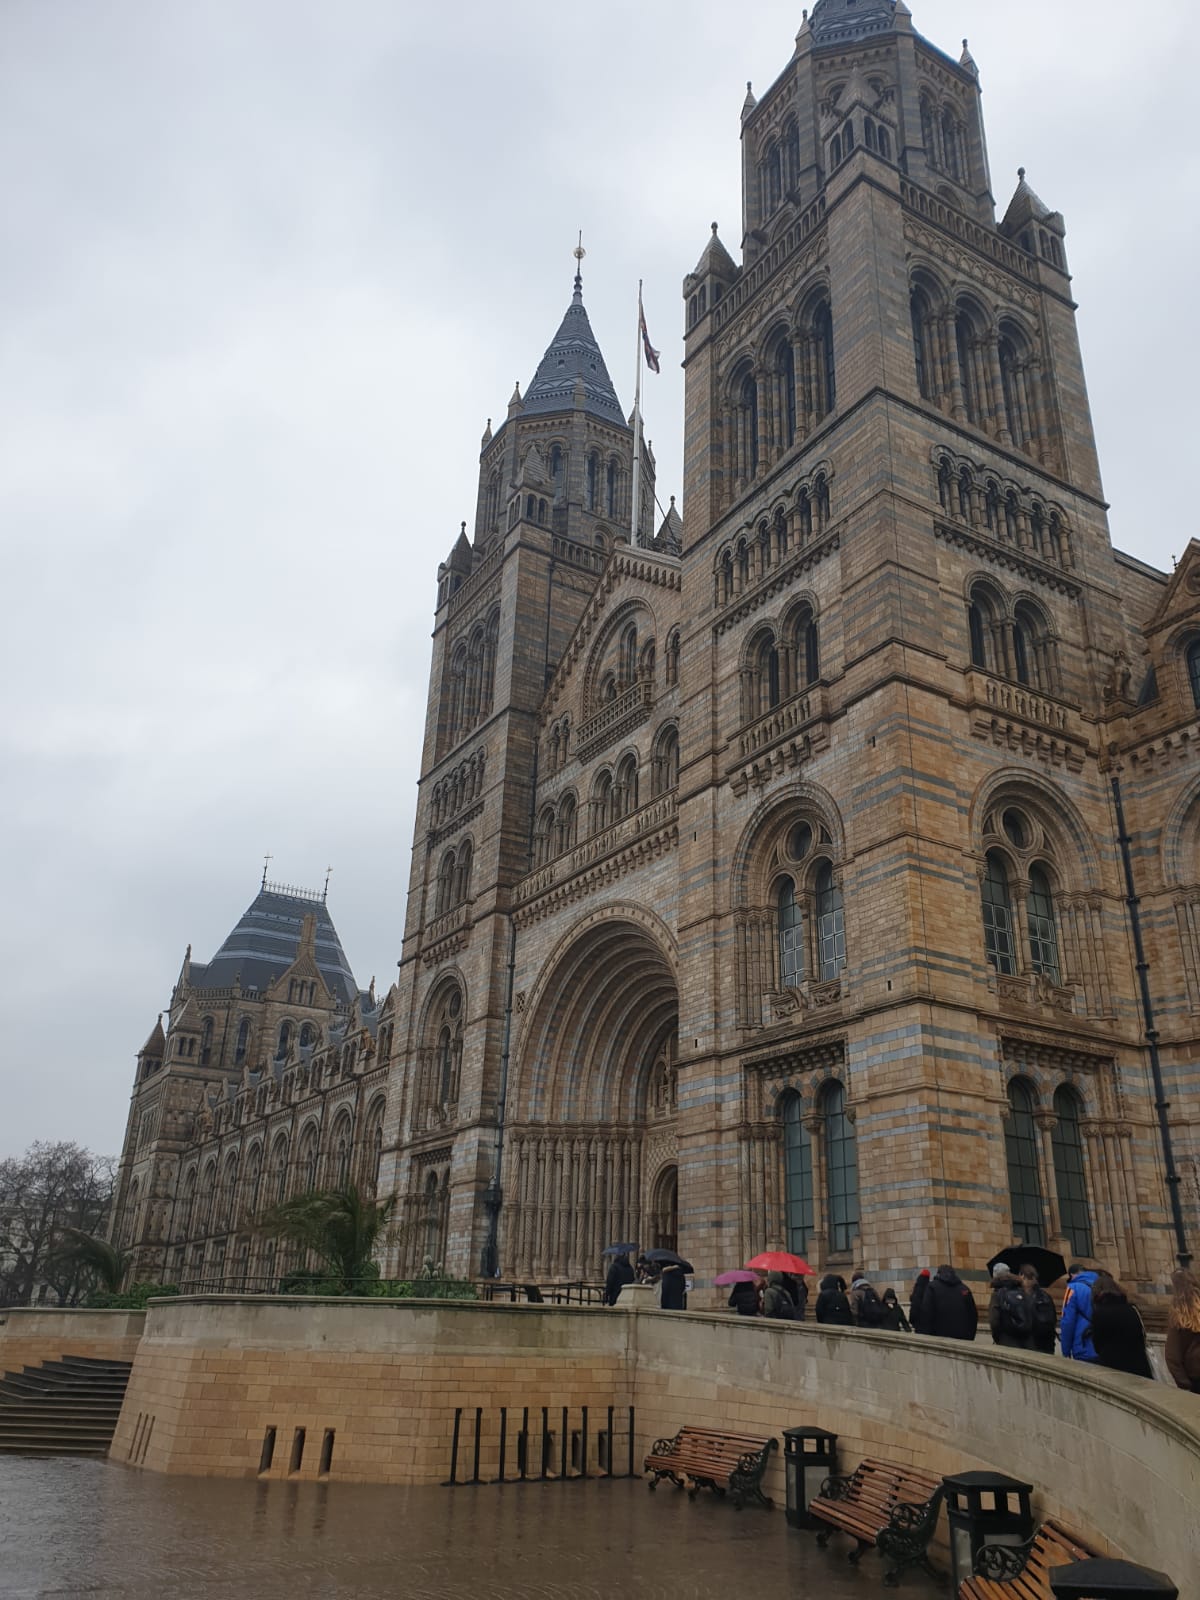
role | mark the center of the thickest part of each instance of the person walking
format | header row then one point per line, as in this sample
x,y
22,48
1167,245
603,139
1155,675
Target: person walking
x,y
947,1309
1045,1317
919,1290
894,1320
1118,1332
1010,1314
797,1287
619,1274
1183,1331
777,1302
672,1294
1075,1332
864,1302
746,1298
833,1308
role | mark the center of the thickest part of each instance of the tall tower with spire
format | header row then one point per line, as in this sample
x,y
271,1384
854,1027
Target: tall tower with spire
x,y
555,481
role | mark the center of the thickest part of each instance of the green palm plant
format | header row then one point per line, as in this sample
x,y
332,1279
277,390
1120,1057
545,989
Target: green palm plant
x,y
87,1252
339,1227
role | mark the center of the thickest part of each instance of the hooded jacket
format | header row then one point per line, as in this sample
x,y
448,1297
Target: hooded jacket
x,y
1002,1333
1119,1335
832,1304
619,1274
1075,1330
947,1309
777,1302
744,1299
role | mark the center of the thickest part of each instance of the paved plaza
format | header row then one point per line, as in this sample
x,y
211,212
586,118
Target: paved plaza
x,y
92,1528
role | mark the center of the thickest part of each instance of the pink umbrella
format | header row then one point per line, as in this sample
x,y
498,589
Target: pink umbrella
x,y
738,1275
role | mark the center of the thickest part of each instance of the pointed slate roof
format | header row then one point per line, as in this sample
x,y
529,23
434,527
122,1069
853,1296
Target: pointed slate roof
x,y
715,259
266,941
843,21
1025,206
574,357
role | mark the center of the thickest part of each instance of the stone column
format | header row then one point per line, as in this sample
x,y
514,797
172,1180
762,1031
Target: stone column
x,y
1046,1123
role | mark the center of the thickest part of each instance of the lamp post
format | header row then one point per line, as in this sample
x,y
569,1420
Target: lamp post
x,y
1110,1580
809,1457
1006,1517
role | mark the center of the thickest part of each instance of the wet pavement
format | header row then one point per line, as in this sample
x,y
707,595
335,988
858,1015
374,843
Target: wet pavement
x,y
73,1526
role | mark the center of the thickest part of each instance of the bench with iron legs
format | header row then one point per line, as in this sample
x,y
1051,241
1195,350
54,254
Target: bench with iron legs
x,y
891,1508
1022,1572
705,1458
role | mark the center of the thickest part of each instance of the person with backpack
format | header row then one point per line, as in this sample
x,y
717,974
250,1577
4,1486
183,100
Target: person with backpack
x,y
894,1320
777,1302
1010,1315
864,1302
1075,1332
832,1305
797,1287
1045,1317
947,1309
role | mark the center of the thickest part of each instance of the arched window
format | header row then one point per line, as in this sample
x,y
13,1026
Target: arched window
x,y
826,389
432,1208
543,837
1193,670
557,471
809,651
965,342
342,1145
1043,939
975,626
928,132
445,883
565,831
243,1042
790,925
918,307
462,875
785,371
997,916
279,1170
308,1035
671,662
629,656
749,419
602,801
254,1181
284,1042
665,770
797,1176
1069,1180
206,1039
885,143
765,679
1024,1177
308,1160
593,475
1033,659
627,786
1010,363
831,925
841,1169
611,489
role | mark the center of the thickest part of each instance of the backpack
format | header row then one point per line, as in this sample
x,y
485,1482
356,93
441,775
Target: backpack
x,y
1045,1318
870,1308
777,1303
1016,1313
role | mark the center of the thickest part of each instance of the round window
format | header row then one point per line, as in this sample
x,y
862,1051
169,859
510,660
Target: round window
x,y
800,841
1016,829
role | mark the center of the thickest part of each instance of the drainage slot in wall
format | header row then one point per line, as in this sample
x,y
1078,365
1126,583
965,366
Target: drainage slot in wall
x,y
297,1450
146,1439
268,1451
327,1450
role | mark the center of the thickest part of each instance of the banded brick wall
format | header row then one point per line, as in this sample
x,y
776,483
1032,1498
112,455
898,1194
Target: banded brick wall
x,y
30,1335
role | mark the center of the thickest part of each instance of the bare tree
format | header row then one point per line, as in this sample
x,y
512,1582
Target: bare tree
x,y
49,1188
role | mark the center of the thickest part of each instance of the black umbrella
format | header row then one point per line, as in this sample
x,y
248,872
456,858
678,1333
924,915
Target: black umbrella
x,y
1048,1264
618,1250
668,1258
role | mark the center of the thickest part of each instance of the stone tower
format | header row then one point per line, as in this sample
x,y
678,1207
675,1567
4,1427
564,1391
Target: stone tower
x,y
555,486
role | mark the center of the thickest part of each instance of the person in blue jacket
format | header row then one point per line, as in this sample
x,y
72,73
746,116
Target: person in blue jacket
x,y
1075,1331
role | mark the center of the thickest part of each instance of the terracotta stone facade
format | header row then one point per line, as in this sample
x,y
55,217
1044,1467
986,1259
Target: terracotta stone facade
x,y
767,884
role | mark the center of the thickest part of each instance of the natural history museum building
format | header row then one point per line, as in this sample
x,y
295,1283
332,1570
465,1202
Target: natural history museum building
x,y
770,869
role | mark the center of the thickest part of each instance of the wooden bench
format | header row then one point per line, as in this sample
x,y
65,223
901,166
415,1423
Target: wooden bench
x,y
704,1458
893,1508
1022,1572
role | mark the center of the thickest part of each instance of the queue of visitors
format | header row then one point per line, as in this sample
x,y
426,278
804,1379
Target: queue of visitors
x,y
1100,1324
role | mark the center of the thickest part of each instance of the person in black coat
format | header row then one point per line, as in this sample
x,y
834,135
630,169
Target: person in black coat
x,y
919,1290
673,1294
745,1298
797,1287
619,1274
832,1305
1117,1330
894,1320
947,1309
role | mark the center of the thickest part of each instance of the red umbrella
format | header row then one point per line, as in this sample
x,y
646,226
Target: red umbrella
x,y
781,1261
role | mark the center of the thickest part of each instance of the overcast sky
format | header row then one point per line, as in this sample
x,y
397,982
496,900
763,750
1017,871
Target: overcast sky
x,y
266,269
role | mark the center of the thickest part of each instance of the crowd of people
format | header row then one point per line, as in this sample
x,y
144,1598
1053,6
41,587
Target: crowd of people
x,y
1099,1323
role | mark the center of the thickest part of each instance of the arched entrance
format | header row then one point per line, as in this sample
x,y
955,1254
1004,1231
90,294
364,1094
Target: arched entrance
x,y
595,1072
664,1210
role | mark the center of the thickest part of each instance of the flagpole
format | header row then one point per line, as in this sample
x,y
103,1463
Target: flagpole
x,y
637,429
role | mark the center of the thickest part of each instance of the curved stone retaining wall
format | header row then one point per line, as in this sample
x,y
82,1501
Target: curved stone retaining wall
x,y
1116,1458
